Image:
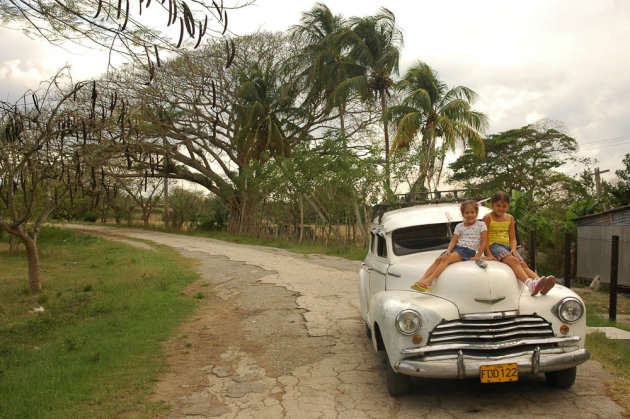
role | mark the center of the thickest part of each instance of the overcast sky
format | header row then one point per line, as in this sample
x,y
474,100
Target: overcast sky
x,y
567,60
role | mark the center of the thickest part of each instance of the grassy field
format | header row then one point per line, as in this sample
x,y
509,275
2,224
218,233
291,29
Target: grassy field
x,y
94,350
615,357
349,252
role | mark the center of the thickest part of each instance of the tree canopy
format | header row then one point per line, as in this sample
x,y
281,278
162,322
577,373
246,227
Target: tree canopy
x,y
523,159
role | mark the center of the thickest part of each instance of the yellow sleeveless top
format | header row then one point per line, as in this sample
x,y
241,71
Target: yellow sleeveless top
x,y
498,231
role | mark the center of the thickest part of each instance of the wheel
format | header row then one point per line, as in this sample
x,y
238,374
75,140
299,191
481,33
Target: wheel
x,y
562,378
368,331
397,384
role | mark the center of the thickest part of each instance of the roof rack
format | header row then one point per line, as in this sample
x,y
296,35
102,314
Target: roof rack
x,y
423,198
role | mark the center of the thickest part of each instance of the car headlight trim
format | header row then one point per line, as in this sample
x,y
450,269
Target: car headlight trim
x,y
570,310
408,322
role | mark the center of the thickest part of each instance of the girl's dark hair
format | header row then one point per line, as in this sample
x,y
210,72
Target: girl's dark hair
x,y
500,196
466,203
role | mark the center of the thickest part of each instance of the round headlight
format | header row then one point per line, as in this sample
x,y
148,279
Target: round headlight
x,y
570,310
408,321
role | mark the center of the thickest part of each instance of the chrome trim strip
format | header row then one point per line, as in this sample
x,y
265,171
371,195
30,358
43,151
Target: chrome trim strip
x,y
547,351
395,275
511,321
377,271
507,328
449,369
488,346
490,336
490,316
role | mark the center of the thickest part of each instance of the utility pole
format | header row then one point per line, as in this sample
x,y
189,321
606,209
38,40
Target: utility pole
x,y
598,188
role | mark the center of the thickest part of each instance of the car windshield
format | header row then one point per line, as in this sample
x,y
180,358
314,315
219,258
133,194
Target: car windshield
x,y
421,238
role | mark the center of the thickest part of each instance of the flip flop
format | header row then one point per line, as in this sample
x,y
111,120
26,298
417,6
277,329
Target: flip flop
x,y
548,283
420,287
538,286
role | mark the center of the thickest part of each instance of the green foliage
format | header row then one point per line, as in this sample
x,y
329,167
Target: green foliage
x,y
524,159
95,350
90,216
621,191
438,117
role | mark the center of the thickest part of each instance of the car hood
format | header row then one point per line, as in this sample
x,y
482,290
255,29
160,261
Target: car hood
x,y
471,288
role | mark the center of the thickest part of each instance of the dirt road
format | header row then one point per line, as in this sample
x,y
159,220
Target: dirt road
x,y
280,335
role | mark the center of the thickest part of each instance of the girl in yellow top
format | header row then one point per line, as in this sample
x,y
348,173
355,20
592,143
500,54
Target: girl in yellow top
x,y
501,245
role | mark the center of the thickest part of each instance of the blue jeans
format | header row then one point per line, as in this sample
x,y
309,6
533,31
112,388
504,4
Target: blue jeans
x,y
464,252
501,251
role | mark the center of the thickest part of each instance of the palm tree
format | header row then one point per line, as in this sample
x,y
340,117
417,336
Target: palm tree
x,y
322,54
433,111
265,114
374,44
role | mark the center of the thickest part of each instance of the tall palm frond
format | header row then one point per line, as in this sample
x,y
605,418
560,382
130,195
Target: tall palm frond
x,y
430,111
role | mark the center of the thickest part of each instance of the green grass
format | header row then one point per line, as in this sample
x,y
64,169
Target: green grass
x,y
597,303
348,252
598,320
613,354
615,357
95,349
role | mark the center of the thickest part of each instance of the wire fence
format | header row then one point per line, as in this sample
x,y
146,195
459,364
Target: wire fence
x,y
598,283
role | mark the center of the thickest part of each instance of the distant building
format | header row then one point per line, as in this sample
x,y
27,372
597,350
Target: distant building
x,y
594,241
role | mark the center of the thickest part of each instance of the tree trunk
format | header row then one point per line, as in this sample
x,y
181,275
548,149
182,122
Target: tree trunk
x,y
34,276
166,202
359,218
301,202
386,133
145,216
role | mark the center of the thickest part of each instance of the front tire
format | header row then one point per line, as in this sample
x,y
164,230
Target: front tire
x,y
562,378
397,384
368,331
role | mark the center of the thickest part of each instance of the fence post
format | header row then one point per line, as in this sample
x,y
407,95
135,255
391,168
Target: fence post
x,y
614,264
567,260
532,249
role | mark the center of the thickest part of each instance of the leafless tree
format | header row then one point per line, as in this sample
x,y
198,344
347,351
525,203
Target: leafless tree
x,y
41,160
117,26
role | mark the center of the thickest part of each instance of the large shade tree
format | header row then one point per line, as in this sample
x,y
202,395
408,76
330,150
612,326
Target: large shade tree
x,y
217,126
438,117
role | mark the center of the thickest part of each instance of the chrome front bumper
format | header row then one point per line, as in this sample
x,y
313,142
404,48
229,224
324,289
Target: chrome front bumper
x,y
462,366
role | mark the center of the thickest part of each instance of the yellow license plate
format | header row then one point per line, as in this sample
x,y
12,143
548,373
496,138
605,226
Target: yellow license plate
x,y
498,373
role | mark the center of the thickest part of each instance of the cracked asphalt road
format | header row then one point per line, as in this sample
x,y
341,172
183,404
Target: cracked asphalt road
x,y
280,335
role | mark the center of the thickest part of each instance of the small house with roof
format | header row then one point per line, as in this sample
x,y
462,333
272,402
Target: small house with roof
x,y
594,242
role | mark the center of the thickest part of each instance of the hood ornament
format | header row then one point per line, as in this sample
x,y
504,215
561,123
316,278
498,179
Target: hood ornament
x,y
489,300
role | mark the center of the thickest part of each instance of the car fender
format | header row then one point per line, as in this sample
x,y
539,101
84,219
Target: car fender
x,y
363,287
385,306
543,305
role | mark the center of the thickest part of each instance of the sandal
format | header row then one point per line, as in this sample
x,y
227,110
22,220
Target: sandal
x,y
548,283
418,286
535,286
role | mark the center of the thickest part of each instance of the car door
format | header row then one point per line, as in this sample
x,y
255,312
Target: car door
x,y
379,263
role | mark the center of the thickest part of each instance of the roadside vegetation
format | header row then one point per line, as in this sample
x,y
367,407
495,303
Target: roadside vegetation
x,y
88,345
615,357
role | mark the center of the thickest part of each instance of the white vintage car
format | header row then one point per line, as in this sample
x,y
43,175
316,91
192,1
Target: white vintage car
x,y
475,323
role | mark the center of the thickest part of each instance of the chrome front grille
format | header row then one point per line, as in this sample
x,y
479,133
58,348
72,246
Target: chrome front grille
x,y
490,338
490,331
